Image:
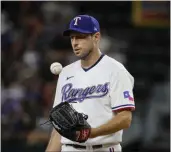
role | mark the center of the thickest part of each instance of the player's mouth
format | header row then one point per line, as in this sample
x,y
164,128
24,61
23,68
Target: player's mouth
x,y
77,51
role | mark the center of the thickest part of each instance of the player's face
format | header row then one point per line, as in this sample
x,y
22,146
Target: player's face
x,y
82,44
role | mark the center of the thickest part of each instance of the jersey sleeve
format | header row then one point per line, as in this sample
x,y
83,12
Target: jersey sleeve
x,y
58,95
121,92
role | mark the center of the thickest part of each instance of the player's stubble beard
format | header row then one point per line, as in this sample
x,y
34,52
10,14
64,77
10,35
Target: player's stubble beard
x,y
86,55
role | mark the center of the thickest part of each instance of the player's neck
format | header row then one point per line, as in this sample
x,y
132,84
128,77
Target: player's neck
x,y
91,59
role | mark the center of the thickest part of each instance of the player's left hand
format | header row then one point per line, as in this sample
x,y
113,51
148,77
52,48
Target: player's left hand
x,y
69,123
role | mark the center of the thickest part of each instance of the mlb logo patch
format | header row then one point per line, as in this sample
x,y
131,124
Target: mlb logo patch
x,y
127,95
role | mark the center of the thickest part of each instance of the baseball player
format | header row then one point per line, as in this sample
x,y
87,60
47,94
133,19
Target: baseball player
x,y
96,85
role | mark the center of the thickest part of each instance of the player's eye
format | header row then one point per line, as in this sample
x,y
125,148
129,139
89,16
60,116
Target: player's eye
x,y
82,36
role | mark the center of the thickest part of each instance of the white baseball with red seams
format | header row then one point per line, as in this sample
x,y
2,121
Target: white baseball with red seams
x,y
56,68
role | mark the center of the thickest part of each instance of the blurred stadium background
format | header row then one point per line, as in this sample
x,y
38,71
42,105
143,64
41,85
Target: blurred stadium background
x,y
135,33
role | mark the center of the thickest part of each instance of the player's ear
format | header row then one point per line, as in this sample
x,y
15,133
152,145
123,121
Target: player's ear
x,y
97,36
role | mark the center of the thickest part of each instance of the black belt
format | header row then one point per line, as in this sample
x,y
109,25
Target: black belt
x,y
84,147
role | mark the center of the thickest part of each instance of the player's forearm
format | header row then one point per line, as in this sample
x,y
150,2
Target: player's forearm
x,y
54,144
121,121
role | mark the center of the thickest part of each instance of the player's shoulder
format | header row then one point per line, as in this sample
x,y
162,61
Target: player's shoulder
x,y
116,67
114,64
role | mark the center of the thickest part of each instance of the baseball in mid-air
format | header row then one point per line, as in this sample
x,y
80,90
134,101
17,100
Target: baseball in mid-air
x,y
56,68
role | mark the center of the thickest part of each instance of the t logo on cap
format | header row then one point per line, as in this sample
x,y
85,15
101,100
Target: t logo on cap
x,y
76,20
83,24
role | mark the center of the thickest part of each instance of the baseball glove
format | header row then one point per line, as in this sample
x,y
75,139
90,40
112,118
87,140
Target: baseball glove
x,y
69,123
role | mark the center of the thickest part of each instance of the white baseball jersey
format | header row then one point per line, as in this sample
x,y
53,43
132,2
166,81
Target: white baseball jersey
x,y
98,91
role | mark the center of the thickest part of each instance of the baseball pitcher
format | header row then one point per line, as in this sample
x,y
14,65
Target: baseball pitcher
x,y
94,95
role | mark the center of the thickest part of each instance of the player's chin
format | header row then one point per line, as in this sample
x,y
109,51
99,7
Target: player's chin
x,y
79,55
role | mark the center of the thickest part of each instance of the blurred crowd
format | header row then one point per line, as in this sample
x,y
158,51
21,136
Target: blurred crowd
x,y
31,39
